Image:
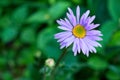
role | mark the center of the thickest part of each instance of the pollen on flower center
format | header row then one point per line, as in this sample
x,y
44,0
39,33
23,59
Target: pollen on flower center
x,y
79,31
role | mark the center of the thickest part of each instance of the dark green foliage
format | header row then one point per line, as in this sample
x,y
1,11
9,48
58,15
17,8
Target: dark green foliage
x,y
27,29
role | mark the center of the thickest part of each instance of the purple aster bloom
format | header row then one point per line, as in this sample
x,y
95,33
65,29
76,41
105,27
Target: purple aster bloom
x,y
79,32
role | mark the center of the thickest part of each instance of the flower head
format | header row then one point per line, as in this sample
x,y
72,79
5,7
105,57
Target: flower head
x,y
50,62
79,31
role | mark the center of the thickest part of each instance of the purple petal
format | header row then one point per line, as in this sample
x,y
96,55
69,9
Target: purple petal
x,y
62,45
84,47
71,17
62,34
74,49
91,48
84,17
69,41
64,37
92,26
64,28
85,23
75,52
78,45
94,33
93,43
86,14
63,23
78,14
68,23
91,19
95,38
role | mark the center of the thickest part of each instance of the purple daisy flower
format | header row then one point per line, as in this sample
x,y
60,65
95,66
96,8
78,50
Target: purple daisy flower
x,y
79,31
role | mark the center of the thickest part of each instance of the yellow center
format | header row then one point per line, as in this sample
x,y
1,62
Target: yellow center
x,y
79,31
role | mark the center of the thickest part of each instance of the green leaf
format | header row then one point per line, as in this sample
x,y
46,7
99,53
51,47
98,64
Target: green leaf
x,y
3,62
28,35
9,34
115,41
52,1
99,8
1,11
5,21
4,2
70,60
97,63
39,17
65,75
44,16
111,75
115,68
58,9
47,43
108,29
94,78
26,57
20,14
7,76
27,74
114,9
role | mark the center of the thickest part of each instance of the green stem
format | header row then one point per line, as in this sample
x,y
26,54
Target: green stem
x,y
44,76
57,64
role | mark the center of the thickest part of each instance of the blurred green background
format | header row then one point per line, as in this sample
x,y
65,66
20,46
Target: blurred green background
x,y
27,29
